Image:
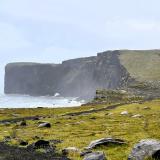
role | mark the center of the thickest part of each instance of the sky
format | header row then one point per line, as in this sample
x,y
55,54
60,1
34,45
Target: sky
x,y
56,30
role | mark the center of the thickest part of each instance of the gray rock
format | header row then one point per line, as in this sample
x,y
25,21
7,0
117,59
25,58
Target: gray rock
x,y
7,139
105,141
70,150
146,108
95,156
85,152
124,113
45,124
148,148
137,116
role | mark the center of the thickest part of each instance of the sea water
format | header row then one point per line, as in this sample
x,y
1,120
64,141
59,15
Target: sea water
x,y
25,101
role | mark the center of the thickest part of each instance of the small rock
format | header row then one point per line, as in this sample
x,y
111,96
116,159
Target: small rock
x,y
23,123
15,115
41,144
23,143
7,139
124,113
137,116
95,156
68,150
105,141
148,148
146,108
46,124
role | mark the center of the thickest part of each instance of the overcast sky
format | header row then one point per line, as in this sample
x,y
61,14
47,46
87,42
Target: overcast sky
x,y
54,30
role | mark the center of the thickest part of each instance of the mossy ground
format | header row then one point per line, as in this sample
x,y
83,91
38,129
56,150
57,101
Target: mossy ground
x,y
79,131
141,64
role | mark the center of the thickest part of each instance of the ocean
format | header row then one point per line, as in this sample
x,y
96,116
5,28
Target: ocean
x,y
22,101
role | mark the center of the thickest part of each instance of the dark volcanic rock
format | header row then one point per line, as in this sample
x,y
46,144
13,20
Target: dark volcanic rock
x,y
77,77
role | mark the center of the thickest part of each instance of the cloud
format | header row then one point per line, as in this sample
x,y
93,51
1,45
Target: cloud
x,y
144,26
58,54
11,38
58,11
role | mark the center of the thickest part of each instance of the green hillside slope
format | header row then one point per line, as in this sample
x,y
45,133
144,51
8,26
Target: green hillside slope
x,y
142,65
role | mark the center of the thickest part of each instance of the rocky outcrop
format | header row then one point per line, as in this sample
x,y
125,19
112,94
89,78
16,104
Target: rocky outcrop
x,y
78,77
148,148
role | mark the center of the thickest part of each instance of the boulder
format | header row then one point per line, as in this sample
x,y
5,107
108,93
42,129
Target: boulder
x,y
95,156
105,141
45,124
148,148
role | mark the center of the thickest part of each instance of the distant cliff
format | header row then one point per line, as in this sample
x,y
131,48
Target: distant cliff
x,y
81,77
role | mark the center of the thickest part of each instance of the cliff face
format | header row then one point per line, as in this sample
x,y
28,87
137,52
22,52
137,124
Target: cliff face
x,y
79,77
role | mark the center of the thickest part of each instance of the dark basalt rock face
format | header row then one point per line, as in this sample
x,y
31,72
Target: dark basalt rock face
x,y
78,77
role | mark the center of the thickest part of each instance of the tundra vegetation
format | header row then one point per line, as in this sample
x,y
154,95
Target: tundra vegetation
x,y
78,126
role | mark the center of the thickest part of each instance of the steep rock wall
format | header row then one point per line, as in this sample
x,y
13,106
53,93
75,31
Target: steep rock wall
x,y
78,77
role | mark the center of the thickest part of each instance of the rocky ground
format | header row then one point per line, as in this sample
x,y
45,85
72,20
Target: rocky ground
x,y
102,131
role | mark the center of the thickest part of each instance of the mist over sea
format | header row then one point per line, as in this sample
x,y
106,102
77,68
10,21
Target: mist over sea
x,y
21,101
25,101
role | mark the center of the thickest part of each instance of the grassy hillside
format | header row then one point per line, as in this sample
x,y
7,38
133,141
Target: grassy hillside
x,y
142,65
79,130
